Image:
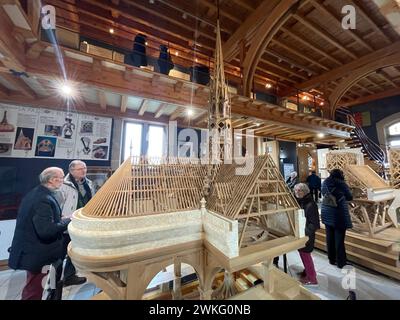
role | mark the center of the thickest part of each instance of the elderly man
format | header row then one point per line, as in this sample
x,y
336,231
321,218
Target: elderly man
x,y
38,236
75,192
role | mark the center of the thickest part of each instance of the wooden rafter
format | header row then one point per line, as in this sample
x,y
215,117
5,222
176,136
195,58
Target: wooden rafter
x,y
373,97
143,107
160,110
102,99
19,84
124,103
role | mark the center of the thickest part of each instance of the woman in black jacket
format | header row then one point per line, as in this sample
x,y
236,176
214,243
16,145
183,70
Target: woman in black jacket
x,y
307,203
336,219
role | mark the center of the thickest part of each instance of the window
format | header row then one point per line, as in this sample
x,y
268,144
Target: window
x,y
393,135
143,139
394,130
133,139
156,142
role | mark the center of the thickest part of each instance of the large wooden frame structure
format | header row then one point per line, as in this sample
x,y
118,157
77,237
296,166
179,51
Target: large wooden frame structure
x,y
148,215
372,196
394,157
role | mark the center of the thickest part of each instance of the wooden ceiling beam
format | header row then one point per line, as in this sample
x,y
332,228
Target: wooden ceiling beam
x,y
160,110
19,84
373,97
245,5
346,69
223,12
143,107
299,54
310,45
338,20
386,78
124,103
284,69
176,114
102,99
366,17
323,34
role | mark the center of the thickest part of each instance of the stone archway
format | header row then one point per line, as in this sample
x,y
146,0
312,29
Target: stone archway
x,y
357,75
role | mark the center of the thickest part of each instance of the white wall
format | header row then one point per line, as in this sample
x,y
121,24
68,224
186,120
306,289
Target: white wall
x,y
6,235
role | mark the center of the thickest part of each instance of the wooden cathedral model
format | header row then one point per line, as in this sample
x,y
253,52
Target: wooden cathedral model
x,y
154,213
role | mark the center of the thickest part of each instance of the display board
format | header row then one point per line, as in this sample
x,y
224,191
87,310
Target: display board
x,y
42,133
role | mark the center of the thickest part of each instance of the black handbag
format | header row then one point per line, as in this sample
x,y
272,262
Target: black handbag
x,y
329,199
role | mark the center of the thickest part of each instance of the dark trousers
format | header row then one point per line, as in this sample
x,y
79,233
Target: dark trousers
x,y
315,193
335,245
69,269
34,286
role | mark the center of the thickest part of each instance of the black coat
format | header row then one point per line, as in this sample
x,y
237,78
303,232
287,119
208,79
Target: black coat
x,y
312,220
338,217
38,236
314,182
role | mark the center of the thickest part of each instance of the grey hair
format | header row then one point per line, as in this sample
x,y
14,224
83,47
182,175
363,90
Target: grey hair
x,y
47,174
74,163
302,187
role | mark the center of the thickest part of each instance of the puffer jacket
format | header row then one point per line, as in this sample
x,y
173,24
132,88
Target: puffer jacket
x,y
67,196
312,220
338,217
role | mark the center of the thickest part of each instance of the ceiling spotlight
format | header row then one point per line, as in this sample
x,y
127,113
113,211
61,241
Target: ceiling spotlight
x,y
184,15
279,60
321,104
268,85
258,124
111,30
177,53
146,43
66,90
305,98
190,112
197,60
309,74
291,66
320,135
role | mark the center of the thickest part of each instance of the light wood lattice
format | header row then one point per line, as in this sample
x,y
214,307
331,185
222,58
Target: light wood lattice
x,y
340,160
144,186
367,214
395,167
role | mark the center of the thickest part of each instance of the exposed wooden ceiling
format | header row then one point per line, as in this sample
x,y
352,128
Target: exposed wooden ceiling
x,y
308,45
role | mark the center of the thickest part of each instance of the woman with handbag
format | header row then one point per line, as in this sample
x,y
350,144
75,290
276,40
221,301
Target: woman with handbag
x,y
335,215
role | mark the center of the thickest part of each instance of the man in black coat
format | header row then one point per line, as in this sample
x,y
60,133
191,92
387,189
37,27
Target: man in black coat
x,y
38,236
314,183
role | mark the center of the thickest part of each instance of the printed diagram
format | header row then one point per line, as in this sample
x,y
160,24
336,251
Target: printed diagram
x,y
4,125
87,127
68,128
86,145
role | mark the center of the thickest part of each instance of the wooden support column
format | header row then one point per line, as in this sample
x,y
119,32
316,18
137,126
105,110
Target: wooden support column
x,y
267,275
177,293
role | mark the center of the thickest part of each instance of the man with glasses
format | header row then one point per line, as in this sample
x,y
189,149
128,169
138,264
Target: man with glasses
x,y
38,237
75,192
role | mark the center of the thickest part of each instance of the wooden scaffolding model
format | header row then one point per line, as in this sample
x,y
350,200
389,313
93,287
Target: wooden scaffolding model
x,y
394,157
372,197
253,199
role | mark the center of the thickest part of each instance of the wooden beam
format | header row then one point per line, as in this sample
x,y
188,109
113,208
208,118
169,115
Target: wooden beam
x,y
178,86
224,13
231,46
19,84
338,20
350,67
373,97
160,110
177,113
245,5
35,49
323,34
102,99
143,107
124,102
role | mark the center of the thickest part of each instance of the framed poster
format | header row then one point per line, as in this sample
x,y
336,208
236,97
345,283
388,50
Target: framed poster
x,y
98,176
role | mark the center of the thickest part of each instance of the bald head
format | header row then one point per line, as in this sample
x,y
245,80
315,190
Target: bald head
x,y
52,178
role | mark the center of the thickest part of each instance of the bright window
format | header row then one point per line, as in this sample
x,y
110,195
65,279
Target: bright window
x,y
394,129
156,142
133,139
395,143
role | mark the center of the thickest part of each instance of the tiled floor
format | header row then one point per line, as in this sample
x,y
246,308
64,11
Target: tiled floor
x,y
368,284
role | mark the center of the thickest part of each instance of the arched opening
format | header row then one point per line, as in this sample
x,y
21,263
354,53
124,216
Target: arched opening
x,y
173,283
388,131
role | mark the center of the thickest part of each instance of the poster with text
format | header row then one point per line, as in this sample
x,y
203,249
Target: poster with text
x,y
60,129
17,131
93,138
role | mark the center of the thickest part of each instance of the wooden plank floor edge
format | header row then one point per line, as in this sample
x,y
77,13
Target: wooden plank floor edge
x,y
4,265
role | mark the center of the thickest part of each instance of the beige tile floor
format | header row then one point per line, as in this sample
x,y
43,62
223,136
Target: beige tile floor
x,y
369,285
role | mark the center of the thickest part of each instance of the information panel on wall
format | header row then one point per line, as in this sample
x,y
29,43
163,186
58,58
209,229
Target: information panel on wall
x,y
42,133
